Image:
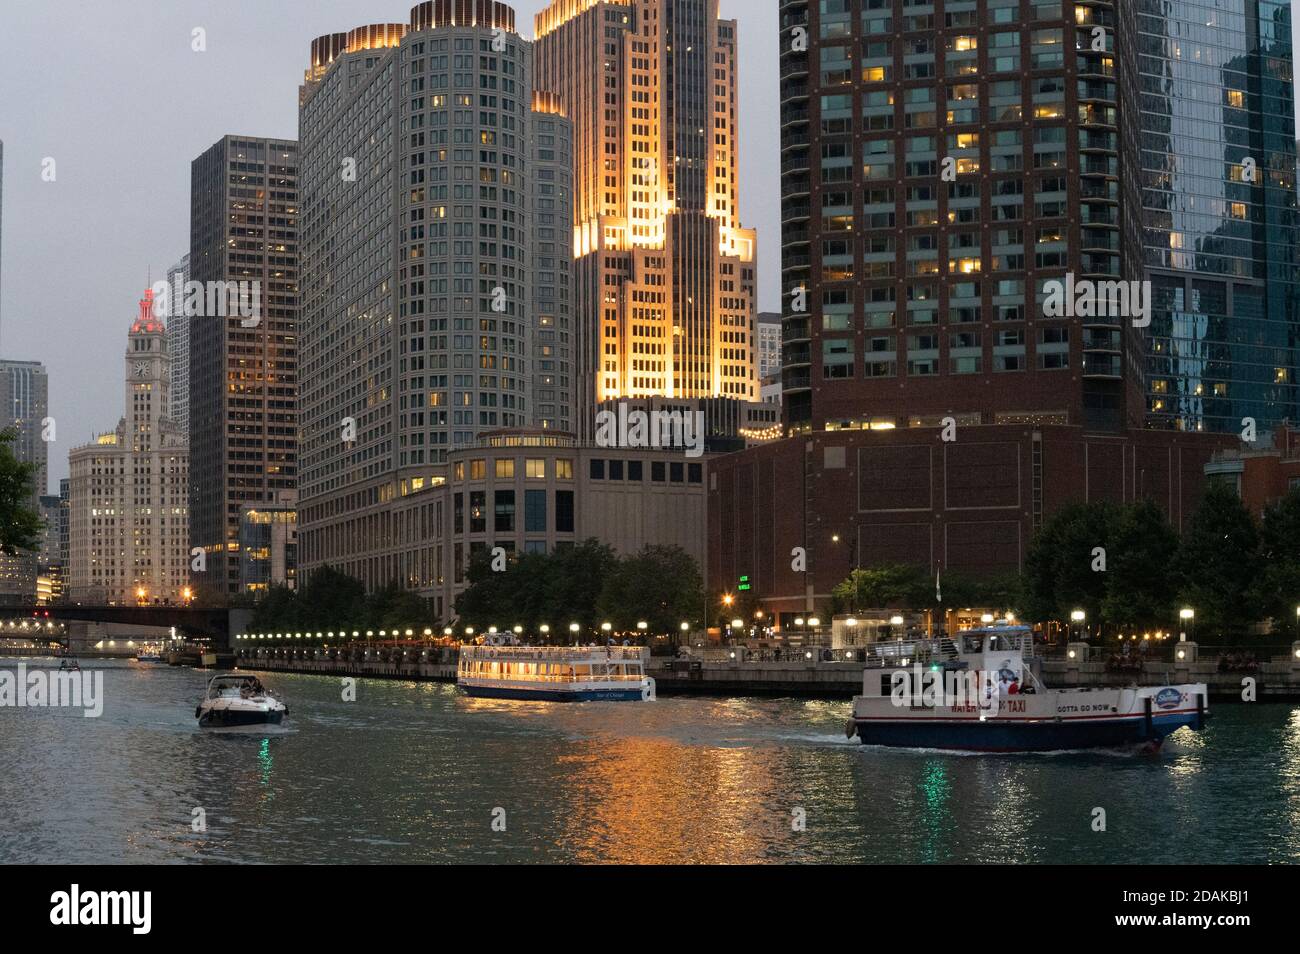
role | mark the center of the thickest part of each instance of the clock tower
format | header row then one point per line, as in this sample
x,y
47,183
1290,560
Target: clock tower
x,y
128,502
148,377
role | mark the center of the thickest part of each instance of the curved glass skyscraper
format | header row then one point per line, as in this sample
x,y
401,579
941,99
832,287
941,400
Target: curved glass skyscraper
x,y
1218,160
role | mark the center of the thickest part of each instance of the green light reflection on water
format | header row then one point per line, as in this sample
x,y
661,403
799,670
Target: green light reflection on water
x,y
264,759
937,788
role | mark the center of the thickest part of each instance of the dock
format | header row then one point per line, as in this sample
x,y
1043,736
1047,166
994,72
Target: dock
x,y
1277,679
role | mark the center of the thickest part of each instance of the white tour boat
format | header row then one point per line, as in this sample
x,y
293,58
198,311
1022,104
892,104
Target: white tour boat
x,y
975,692
555,673
238,700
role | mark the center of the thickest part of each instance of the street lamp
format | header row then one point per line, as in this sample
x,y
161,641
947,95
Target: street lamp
x,y
1078,616
573,628
1188,616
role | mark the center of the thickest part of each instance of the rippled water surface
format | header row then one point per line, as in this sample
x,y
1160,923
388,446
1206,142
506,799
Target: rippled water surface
x,y
415,772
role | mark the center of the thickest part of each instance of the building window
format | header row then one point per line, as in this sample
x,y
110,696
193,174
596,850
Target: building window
x,y
564,511
597,468
505,467
504,506
564,469
535,511
535,469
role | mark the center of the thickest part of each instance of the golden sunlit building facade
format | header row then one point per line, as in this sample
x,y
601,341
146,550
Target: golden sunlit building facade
x,y
665,273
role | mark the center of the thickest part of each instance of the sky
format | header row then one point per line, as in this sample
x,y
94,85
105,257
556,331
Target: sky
x,y
114,93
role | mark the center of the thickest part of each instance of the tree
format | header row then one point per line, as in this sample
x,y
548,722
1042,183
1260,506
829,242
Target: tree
x,y
1061,571
1141,587
1277,592
332,600
1219,564
555,589
885,585
661,585
393,608
20,523
577,575
277,611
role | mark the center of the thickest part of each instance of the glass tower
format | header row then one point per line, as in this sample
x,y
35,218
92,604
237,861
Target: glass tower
x,y
1218,162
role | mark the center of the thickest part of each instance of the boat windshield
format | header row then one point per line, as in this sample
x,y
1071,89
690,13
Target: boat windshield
x,y
230,685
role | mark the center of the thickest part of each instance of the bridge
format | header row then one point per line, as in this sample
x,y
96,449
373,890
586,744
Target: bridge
x,y
213,622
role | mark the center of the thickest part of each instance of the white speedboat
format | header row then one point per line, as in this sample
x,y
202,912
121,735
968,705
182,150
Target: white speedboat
x,y
238,700
974,692
555,673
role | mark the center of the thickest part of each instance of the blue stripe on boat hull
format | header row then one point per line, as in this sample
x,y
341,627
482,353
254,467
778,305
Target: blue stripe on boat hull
x,y
994,736
554,695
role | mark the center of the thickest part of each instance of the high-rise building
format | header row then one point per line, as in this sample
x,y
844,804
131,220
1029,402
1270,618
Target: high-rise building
x,y
768,330
65,489
178,343
243,343
943,167
49,562
962,348
24,388
128,529
1218,167
268,546
665,273
436,280
552,384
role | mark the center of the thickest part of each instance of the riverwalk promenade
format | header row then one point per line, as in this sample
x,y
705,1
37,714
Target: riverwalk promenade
x,y
822,673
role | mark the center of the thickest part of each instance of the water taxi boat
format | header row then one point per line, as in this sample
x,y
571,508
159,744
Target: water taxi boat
x,y
148,656
555,673
974,692
238,700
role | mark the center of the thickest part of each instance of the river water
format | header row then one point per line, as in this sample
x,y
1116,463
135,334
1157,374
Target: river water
x,y
415,772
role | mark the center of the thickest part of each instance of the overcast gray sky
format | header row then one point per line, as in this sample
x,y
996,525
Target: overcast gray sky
x,y
114,94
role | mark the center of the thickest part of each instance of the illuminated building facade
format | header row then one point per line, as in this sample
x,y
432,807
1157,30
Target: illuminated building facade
x,y
942,163
268,546
665,274
436,294
128,498
242,370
